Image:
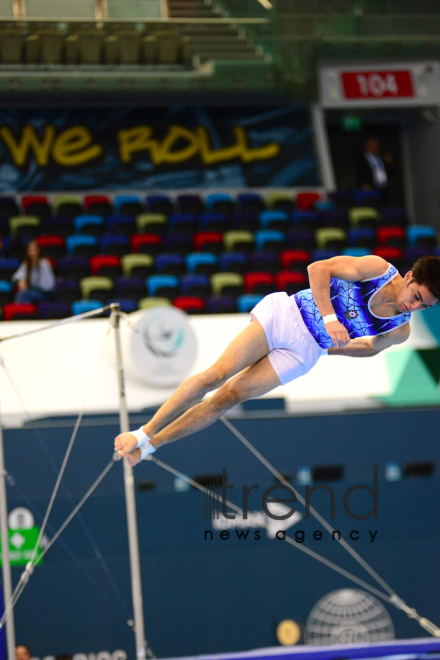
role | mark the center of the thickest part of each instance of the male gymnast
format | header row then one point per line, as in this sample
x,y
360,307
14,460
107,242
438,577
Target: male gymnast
x,y
356,306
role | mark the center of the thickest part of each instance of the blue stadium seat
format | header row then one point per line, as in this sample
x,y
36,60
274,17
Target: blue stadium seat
x,y
6,292
114,244
128,205
194,284
166,286
59,225
356,252
301,239
266,261
8,266
368,198
82,306
269,239
220,203
82,245
393,215
93,225
271,219
191,204
54,309
126,305
334,218
178,242
247,301
160,204
324,253
362,237
218,222
68,290
421,235
305,219
130,287
183,222
201,262
234,262
124,225
221,305
73,267
170,264
251,203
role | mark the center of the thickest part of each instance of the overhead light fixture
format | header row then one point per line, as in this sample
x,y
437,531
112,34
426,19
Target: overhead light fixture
x,y
266,4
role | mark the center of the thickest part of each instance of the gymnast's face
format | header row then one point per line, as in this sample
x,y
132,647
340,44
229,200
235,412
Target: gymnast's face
x,y
413,297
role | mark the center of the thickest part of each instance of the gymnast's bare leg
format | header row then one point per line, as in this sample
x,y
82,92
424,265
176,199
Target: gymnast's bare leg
x,y
248,348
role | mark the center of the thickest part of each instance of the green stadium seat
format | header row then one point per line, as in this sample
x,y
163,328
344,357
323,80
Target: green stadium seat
x,y
96,287
227,284
148,303
137,265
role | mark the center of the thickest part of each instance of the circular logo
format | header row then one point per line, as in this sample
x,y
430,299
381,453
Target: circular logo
x,y
348,616
288,632
163,346
351,314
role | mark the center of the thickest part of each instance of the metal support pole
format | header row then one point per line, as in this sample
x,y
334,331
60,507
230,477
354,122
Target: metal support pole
x,y
6,564
136,585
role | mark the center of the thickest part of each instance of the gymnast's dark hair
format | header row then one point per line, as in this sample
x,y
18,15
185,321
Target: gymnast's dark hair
x,y
426,271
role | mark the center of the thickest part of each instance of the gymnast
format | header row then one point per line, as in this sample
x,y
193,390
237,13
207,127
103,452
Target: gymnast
x,y
356,306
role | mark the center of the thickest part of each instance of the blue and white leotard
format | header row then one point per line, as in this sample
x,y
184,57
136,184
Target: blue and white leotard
x,y
352,304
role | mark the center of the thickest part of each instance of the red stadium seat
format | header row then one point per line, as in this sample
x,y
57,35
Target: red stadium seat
x,y
27,200
391,235
295,259
291,281
106,265
98,204
146,243
306,200
393,255
259,282
190,304
52,247
208,241
19,311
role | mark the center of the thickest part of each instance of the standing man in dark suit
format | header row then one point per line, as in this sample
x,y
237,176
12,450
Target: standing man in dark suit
x,y
374,169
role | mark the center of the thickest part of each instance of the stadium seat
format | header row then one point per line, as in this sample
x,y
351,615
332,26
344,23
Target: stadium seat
x,y
342,199
37,205
331,237
301,239
247,301
98,205
307,219
8,207
177,242
96,288
170,264
334,218
393,215
251,203
25,227
306,200
221,305
115,244
186,222
149,303
121,225
126,305
280,202
234,262
128,205
68,290
227,284
414,252
84,306
59,225
73,267
421,235
363,216
323,253
324,205
190,304
160,204
6,292
82,245
191,204
130,287
266,261
137,265
263,283
269,239
163,286
394,255
151,223
362,237
220,203
297,260
391,236
244,221
208,241
215,222
52,246
291,282
54,309
68,206
92,225
272,219
372,198
19,311
106,265
239,241
205,263
194,284
146,244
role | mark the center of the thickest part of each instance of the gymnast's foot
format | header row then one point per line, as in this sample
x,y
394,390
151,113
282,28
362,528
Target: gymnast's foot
x,y
125,443
134,457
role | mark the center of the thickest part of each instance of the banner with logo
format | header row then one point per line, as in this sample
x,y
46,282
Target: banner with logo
x,y
161,148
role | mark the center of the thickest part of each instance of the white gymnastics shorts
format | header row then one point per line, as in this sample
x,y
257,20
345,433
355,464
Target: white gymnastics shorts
x,y
293,350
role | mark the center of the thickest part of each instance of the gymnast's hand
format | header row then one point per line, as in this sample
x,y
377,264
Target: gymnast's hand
x,y
338,333
125,443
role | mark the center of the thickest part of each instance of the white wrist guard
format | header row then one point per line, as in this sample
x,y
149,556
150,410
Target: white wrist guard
x,y
146,450
329,318
140,436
